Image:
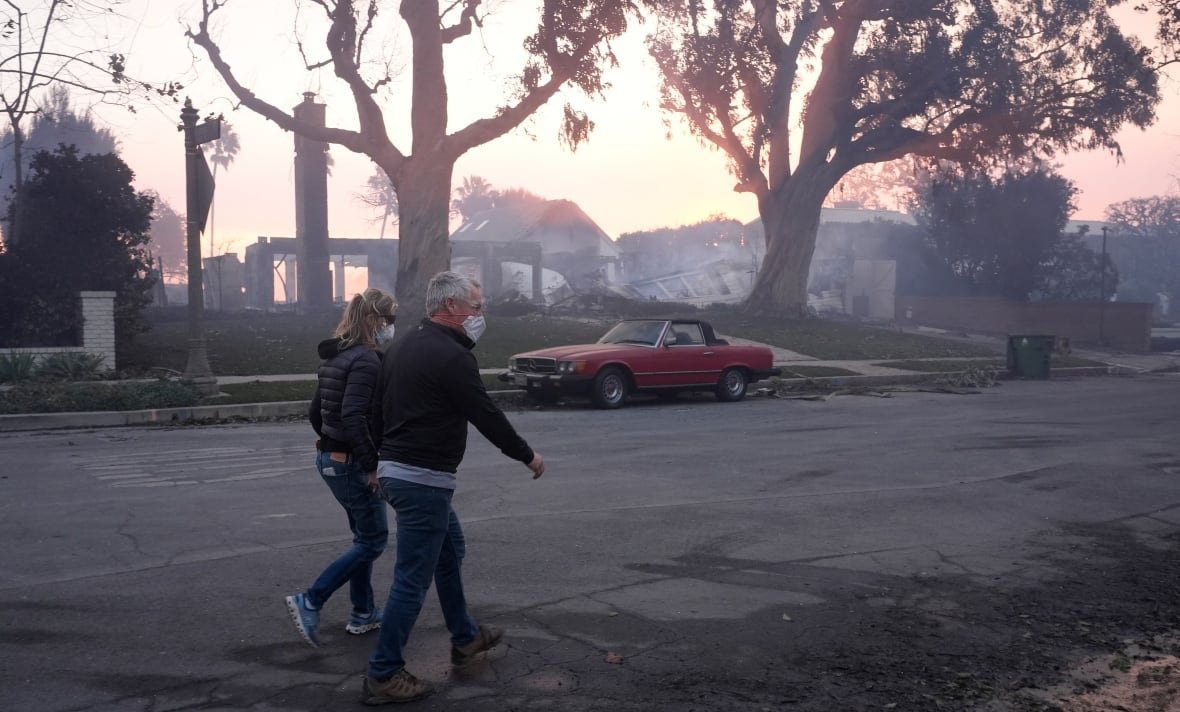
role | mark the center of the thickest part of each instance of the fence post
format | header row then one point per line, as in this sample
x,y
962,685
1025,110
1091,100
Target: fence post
x,y
98,325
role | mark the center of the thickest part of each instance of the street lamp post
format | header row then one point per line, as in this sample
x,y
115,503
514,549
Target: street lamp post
x,y
1102,292
197,371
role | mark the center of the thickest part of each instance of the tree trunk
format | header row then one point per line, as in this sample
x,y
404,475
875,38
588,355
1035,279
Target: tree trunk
x,y
423,181
18,171
790,219
424,249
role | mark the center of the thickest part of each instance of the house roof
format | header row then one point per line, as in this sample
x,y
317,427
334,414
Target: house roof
x,y
853,215
558,225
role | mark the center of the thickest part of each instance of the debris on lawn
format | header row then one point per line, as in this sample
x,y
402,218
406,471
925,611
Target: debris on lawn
x,y
1148,684
972,377
874,391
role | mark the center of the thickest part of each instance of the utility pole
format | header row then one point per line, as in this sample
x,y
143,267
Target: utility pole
x,y
198,196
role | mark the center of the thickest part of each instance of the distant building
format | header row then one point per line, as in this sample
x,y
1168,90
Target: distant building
x,y
855,266
576,254
716,261
654,254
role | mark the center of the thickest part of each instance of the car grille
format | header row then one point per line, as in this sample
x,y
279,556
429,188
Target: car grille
x,y
536,365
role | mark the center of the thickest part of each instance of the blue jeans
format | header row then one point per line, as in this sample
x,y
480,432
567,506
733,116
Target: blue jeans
x,y
430,545
370,531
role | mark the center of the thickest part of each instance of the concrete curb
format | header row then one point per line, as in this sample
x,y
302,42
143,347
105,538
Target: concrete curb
x,y
157,416
907,378
283,409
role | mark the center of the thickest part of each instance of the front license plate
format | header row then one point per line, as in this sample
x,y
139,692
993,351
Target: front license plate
x,y
519,380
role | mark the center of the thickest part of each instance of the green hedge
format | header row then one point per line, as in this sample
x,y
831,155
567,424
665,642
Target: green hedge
x,y
72,397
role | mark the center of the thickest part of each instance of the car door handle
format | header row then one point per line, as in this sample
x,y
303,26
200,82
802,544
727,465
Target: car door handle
x,y
709,353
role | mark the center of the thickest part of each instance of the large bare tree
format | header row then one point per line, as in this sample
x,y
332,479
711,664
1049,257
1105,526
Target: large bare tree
x,y
797,93
570,46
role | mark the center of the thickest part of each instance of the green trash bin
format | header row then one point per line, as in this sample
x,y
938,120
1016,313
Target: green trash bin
x,y
1029,355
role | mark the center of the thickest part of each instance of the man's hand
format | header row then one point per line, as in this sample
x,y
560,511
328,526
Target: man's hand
x,y
374,485
537,465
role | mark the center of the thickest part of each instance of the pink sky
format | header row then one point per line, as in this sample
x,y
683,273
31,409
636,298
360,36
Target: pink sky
x,y
629,177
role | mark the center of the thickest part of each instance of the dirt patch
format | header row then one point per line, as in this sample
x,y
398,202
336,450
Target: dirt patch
x,y
1146,686
1102,637
1100,633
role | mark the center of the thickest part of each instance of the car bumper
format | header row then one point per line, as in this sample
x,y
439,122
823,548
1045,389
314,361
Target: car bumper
x,y
568,384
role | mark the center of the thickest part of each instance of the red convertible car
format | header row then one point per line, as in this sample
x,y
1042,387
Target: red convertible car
x,y
661,356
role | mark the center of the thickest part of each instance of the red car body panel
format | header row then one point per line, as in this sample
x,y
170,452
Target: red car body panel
x,y
686,355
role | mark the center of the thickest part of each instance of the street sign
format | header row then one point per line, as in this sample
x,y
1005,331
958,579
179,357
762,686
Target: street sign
x,y
208,131
204,190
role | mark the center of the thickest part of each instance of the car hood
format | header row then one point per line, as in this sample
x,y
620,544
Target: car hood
x,y
579,351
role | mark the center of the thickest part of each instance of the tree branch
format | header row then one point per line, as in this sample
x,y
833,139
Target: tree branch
x,y
352,140
463,25
481,131
343,47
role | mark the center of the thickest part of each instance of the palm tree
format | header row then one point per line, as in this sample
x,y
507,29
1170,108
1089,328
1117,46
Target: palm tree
x,y
475,195
379,193
221,153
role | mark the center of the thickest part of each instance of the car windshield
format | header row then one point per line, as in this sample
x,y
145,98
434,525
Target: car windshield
x,y
646,333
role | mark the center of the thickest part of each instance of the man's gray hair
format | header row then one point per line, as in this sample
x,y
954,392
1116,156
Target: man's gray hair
x,y
447,285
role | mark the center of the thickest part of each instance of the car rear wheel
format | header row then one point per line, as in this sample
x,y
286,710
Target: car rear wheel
x,y
610,388
732,386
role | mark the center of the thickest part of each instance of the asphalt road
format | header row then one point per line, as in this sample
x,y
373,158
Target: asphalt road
x,y
838,555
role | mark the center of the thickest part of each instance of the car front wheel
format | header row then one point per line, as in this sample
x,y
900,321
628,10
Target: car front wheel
x,y
732,386
610,388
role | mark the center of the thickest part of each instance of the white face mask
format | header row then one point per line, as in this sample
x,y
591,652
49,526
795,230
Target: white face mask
x,y
474,326
385,335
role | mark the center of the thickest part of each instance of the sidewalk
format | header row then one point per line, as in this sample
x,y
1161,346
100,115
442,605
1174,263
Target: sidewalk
x,y
867,374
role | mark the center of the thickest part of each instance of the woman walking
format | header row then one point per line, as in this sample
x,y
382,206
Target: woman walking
x,y
346,458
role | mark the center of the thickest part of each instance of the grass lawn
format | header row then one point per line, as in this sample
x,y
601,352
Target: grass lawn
x,y
1073,362
999,364
262,344
278,391
258,344
944,366
255,343
834,340
263,392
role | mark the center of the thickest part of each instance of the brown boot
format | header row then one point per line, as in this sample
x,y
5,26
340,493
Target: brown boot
x,y
486,640
402,687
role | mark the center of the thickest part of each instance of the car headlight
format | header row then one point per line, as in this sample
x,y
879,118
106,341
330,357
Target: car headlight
x,y
511,364
570,366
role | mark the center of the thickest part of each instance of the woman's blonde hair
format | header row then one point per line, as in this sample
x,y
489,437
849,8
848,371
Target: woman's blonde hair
x,y
365,314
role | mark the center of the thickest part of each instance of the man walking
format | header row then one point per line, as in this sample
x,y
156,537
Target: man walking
x,y
430,390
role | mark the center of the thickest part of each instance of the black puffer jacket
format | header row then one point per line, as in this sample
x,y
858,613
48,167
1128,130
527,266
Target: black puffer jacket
x,y
430,391
340,408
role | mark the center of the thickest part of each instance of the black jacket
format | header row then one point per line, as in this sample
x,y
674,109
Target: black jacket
x,y
340,408
430,389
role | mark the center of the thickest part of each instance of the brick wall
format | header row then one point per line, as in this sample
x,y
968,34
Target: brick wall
x,y
98,331
1122,325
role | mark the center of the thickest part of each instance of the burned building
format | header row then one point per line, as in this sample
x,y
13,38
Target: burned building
x,y
576,255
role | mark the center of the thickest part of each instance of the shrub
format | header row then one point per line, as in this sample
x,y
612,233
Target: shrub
x,y
73,397
32,316
71,366
17,367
